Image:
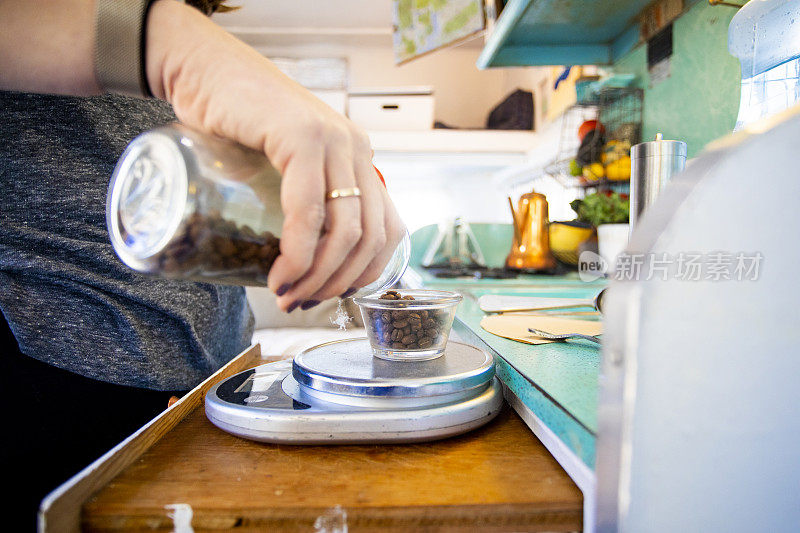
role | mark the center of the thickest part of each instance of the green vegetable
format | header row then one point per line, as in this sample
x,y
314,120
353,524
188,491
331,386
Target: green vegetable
x,y
603,208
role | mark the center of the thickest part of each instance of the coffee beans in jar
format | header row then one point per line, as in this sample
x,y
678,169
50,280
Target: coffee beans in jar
x,y
209,245
410,325
187,205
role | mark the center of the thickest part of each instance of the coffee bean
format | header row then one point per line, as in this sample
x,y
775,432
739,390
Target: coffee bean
x,y
248,232
409,339
225,247
390,295
248,252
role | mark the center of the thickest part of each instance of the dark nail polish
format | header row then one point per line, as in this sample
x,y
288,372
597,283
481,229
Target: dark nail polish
x,y
283,288
349,292
292,307
308,304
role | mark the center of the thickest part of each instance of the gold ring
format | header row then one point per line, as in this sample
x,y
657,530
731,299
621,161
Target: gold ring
x,y
344,193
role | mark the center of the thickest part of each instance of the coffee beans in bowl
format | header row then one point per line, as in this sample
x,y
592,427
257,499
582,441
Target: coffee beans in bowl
x,y
408,325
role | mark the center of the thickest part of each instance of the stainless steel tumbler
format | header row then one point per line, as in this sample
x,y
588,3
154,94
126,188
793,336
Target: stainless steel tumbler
x,y
653,164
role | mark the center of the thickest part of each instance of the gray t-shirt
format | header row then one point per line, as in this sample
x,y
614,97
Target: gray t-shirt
x,y
67,297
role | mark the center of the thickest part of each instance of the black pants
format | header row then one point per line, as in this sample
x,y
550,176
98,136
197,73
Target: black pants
x,y
55,423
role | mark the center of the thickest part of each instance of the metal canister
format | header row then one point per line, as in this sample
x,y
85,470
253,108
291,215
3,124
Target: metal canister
x,y
653,164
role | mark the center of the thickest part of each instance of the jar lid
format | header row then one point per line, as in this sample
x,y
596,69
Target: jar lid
x,y
659,147
146,198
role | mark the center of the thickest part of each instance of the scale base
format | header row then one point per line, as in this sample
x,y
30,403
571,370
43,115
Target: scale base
x,y
268,404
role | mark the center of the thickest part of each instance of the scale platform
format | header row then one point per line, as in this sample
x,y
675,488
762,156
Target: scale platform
x,y
339,393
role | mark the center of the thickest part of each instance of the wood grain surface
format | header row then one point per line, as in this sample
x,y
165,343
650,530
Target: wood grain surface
x,y
60,510
497,478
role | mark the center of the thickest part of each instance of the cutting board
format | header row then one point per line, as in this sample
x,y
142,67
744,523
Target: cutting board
x,y
515,326
499,477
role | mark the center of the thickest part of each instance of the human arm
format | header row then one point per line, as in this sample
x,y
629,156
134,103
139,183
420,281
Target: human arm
x,y
219,85
47,47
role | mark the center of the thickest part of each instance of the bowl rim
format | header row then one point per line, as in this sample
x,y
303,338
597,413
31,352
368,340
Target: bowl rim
x,y
433,298
576,224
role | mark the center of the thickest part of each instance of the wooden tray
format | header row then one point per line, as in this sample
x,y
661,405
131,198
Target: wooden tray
x,y
497,478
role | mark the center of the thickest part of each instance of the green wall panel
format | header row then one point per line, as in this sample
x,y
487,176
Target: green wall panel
x,y
700,100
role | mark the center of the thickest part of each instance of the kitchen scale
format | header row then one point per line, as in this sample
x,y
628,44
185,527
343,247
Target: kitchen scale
x,y
339,393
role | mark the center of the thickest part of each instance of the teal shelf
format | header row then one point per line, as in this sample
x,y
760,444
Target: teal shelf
x,y
562,32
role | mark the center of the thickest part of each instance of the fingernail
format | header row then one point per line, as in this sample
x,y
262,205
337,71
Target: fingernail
x,y
349,292
292,307
308,304
283,288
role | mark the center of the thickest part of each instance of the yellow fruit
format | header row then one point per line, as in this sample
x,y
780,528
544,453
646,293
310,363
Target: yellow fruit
x,y
593,172
615,150
619,170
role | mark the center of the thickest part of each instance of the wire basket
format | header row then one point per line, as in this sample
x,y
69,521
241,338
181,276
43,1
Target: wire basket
x,y
619,110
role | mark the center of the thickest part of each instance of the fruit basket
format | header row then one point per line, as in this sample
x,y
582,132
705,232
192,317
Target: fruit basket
x,y
596,136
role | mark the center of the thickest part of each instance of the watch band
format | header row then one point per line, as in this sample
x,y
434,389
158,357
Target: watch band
x,y
119,53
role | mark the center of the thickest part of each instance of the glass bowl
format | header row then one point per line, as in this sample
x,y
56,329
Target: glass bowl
x,y
408,324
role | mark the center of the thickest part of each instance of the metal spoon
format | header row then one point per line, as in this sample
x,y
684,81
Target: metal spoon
x,y
564,336
495,303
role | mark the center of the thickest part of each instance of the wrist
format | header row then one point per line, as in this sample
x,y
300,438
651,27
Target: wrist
x,y
194,65
170,35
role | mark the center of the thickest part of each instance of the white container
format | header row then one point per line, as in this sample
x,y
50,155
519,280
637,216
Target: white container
x,y
611,241
403,108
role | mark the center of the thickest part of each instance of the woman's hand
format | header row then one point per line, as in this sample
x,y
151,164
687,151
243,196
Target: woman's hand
x,y
219,85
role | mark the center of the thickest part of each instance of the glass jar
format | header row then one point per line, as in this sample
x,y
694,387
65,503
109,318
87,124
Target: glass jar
x,y
186,205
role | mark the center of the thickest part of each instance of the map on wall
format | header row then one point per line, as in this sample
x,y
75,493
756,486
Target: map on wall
x,y
421,26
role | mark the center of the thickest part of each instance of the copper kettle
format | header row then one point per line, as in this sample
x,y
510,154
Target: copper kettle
x,y
530,249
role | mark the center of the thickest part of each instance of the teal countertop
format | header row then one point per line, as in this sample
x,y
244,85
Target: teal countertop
x,y
558,382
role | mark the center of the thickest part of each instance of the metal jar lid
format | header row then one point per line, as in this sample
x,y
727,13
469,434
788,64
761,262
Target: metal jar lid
x,y
348,368
659,147
146,198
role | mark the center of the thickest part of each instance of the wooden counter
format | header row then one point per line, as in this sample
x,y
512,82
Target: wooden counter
x,y
497,478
